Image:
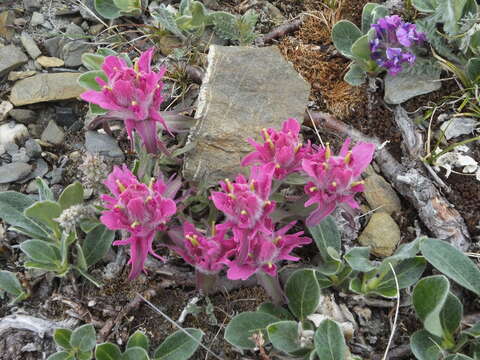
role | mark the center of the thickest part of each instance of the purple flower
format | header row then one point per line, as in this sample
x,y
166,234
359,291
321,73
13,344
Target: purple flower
x,y
281,148
139,209
266,249
133,95
334,179
393,38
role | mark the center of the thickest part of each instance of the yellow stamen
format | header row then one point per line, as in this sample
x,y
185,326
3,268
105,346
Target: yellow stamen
x,y
243,212
348,157
149,198
270,265
193,239
121,187
355,183
268,139
313,188
277,239
214,229
134,224
150,184
325,166
298,147
118,206
267,203
106,87
277,166
252,185
229,185
328,151
334,184
232,196
135,67
134,103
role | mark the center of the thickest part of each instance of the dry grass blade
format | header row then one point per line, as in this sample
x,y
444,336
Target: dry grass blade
x,y
394,326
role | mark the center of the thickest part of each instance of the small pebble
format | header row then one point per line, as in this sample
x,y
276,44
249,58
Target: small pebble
x,y
37,19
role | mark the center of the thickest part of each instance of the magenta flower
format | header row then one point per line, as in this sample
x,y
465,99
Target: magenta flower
x,y
335,178
282,148
139,209
133,95
206,254
266,249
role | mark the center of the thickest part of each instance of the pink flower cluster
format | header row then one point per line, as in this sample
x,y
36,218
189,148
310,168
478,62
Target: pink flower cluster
x,y
139,209
134,95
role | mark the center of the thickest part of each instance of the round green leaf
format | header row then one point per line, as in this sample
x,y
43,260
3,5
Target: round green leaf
x,y
303,293
284,336
344,34
62,338
88,79
96,244
72,195
243,326
458,357
84,338
452,262
107,351
329,341
326,235
10,283
45,212
280,312
135,353
355,75
180,346
429,296
451,315
473,69
92,61
62,355
358,259
40,251
426,6
107,9
361,49
425,346
138,339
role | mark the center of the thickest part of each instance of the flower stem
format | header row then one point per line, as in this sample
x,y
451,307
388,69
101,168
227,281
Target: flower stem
x,y
272,286
205,282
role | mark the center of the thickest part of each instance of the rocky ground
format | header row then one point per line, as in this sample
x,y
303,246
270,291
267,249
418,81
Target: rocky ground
x,y
45,132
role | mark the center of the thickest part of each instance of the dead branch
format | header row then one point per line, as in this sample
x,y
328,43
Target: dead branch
x,y
280,31
434,210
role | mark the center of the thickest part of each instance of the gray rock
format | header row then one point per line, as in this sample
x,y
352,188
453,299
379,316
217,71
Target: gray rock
x,y
41,168
11,57
55,176
32,4
37,19
74,31
2,149
20,156
53,46
5,108
32,148
382,234
12,132
104,145
19,75
30,45
32,187
53,133
23,116
380,195
45,87
403,87
11,148
245,89
89,13
65,116
72,52
13,172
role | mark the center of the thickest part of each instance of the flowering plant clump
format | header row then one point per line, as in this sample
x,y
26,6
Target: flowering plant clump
x,y
134,95
391,46
139,209
281,148
335,179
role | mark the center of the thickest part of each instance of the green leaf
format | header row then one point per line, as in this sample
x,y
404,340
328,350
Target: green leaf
x,y
135,353
458,357
284,336
84,338
241,328
45,212
278,311
326,235
85,355
452,262
166,19
41,266
425,346
44,192
62,338
10,283
138,339
96,244
88,79
473,331
355,75
92,61
87,276
12,206
361,49
429,297
62,355
72,195
329,341
450,12
426,6
107,351
358,259
41,251
473,69
370,15
451,315
96,110
107,9
180,346
89,224
303,293
344,34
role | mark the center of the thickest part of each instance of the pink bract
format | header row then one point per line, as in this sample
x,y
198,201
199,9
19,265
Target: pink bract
x,y
139,209
266,249
133,95
335,179
282,148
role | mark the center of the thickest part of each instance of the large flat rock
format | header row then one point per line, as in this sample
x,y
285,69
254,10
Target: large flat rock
x,y
244,90
10,58
46,87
